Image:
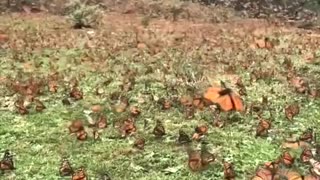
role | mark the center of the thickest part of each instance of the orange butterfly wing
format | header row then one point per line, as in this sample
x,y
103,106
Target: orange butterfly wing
x,y
238,105
226,102
212,94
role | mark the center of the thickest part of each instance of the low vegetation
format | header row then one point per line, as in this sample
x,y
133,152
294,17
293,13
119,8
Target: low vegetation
x,y
123,98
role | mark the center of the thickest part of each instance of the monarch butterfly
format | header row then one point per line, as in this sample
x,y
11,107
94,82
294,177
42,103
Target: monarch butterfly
x,y
200,131
199,160
79,174
166,104
315,170
268,171
194,161
291,111
66,102
206,156
289,174
82,135
65,168
159,129
7,161
183,137
263,127
76,94
76,126
306,155
240,85
287,159
262,174
225,98
307,136
228,171
218,123
19,104
128,127
139,143
39,105
102,122
310,177
135,111
189,112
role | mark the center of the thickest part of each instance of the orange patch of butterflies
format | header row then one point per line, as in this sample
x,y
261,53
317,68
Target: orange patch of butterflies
x,y
223,97
30,89
77,127
282,166
199,160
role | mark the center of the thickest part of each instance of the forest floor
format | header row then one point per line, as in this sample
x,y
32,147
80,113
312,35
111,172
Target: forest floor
x,y
135,61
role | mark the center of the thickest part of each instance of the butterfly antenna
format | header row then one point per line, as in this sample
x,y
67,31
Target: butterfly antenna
x,y
223,84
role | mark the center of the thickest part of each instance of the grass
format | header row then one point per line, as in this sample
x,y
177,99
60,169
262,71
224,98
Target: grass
x,y
42,45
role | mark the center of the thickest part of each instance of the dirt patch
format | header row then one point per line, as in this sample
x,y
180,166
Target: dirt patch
x,y
120,32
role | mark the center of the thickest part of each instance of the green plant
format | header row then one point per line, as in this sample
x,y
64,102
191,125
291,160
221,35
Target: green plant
x,y
82,14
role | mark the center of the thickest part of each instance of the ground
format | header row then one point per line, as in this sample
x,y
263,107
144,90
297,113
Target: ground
x,y
171,58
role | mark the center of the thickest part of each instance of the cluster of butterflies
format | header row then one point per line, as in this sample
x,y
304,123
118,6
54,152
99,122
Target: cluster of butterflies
x,y
65,169
79,174
223,97
226,101
282,167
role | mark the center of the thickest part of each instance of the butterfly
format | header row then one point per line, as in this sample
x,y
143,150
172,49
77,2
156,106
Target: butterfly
x,y
225,98
289,174
76,126
7,161
287,159
135,111
291,111
199,160
206,156
306,155
99,121
19,104
79,174
82,135
159,129
139,143
228,171
308,136
183,137
76,93
268,171
263,127
165,103
104,176
39,105
65,168
200,131
194,162
128,127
